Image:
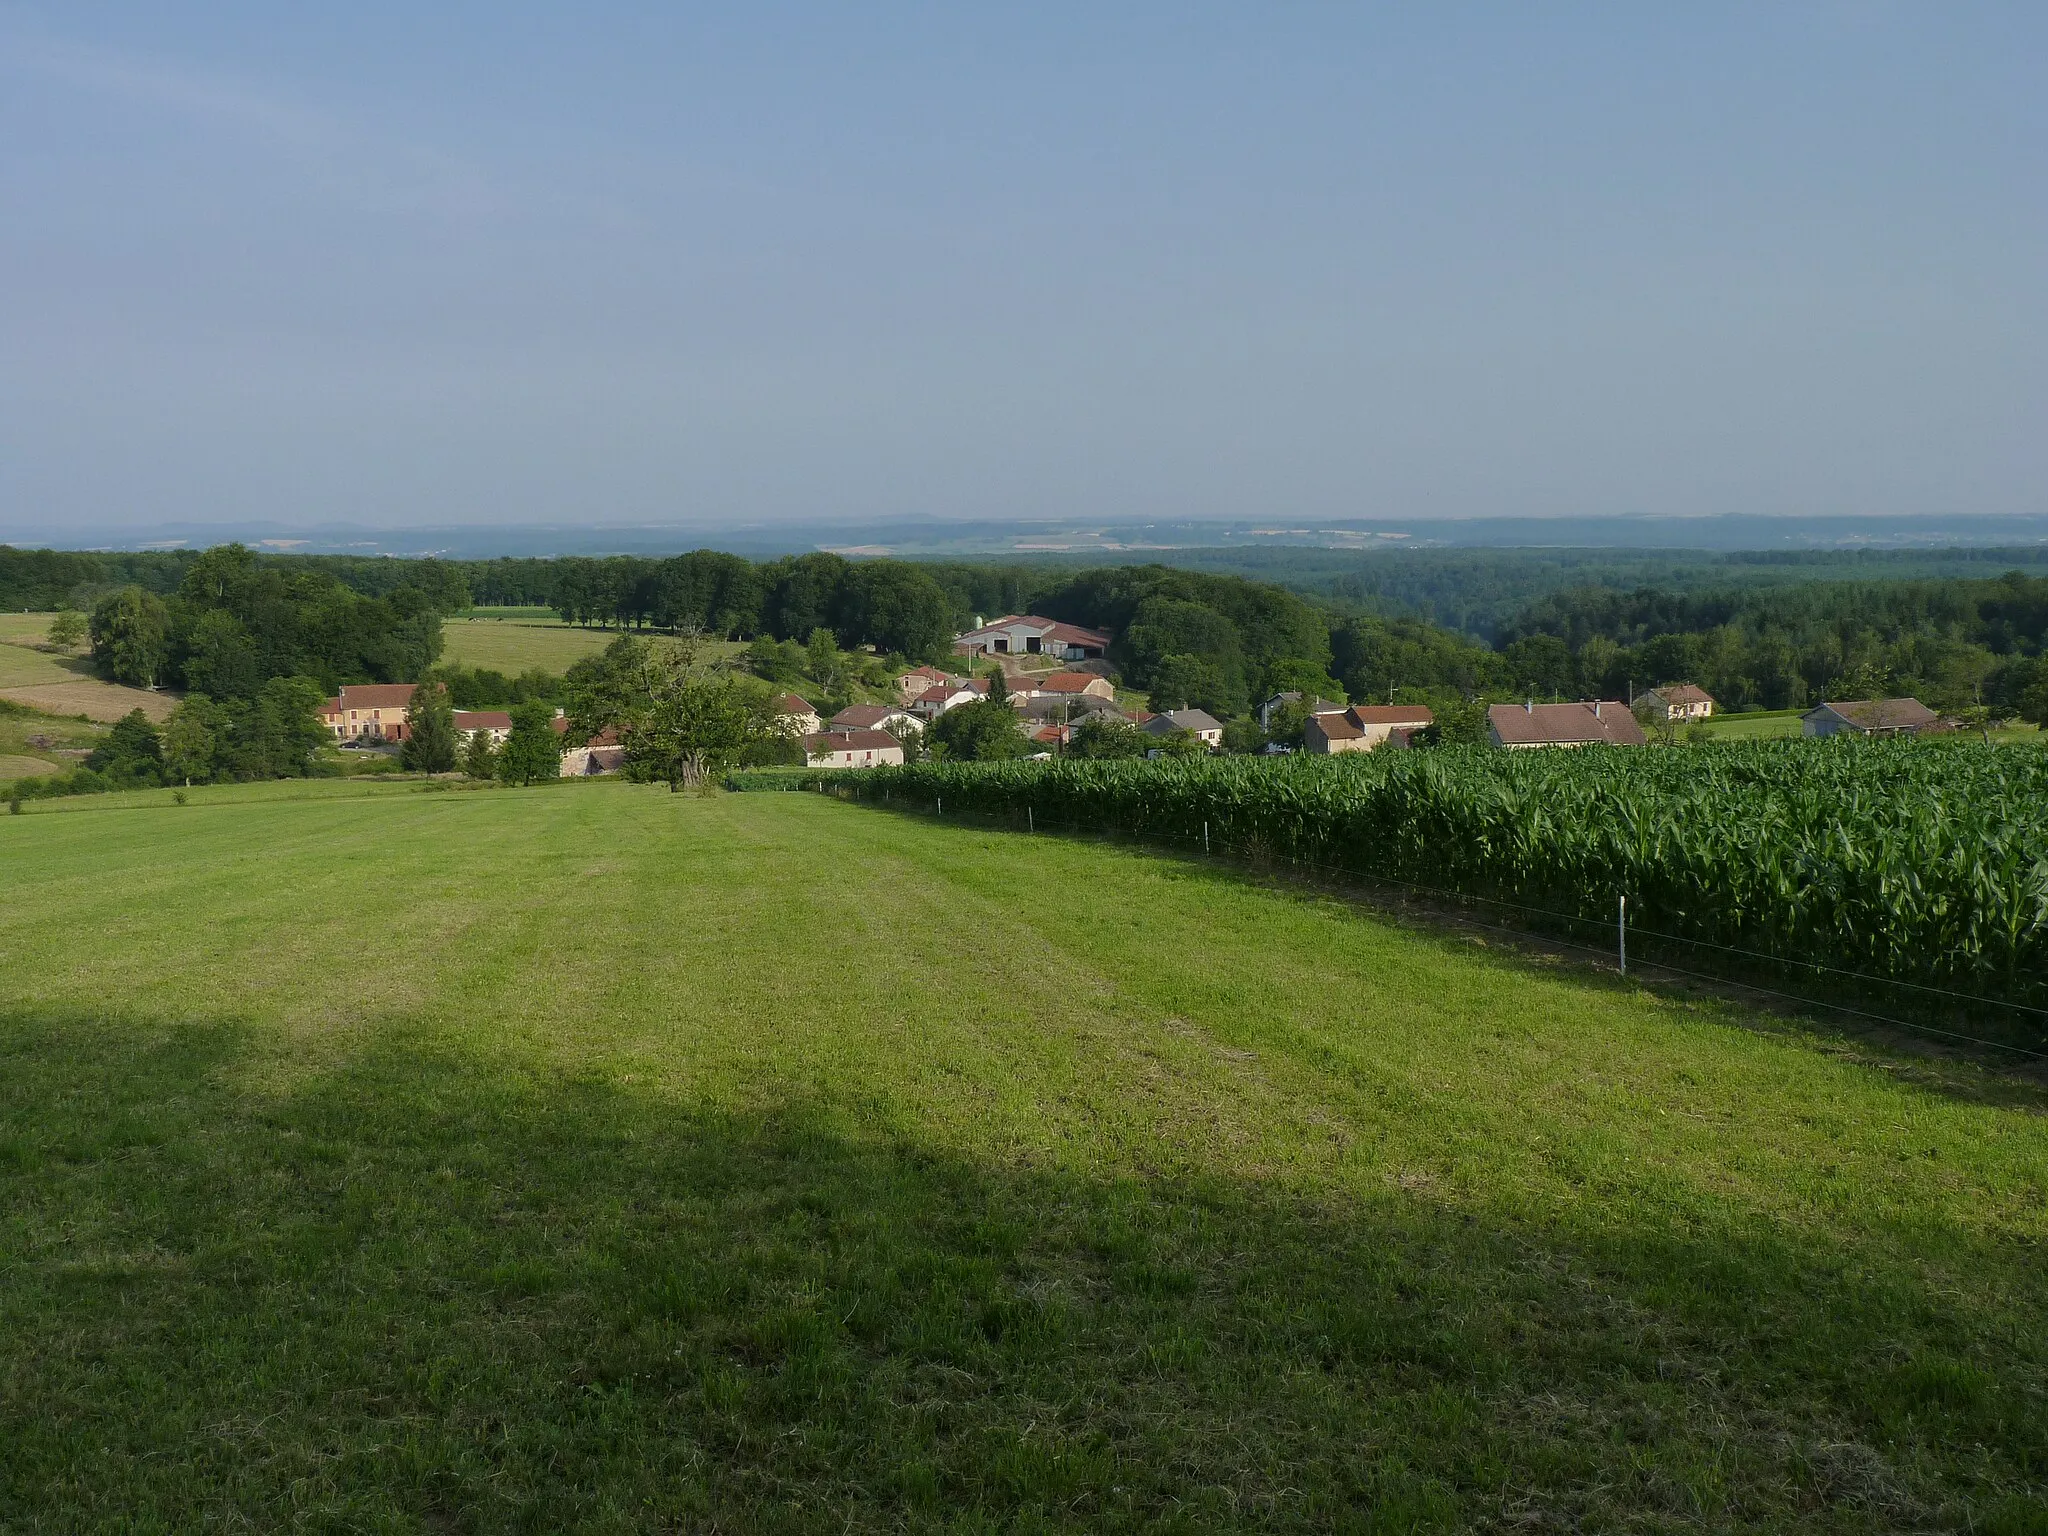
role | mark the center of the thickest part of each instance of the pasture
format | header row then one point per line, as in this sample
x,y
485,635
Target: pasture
x,y
61,684
517,640
594,1157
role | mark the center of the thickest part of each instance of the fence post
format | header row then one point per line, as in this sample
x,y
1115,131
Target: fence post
x,y
1621,934
942,806
1030,825
1205,839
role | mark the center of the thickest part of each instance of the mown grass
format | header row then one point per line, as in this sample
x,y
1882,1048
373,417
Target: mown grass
x,y
519,640
592,1157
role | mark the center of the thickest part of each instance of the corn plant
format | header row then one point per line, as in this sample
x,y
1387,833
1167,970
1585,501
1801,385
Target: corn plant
x,y
1922,861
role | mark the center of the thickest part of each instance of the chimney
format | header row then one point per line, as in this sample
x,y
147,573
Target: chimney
x,y
1529,708
1596,709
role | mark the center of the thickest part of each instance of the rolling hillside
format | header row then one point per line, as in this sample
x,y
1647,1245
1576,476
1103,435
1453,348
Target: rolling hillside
x,y
592,1156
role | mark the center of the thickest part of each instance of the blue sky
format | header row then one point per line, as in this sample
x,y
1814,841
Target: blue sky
x,y
411,265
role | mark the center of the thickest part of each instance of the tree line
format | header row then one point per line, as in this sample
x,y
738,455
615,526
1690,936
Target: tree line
x,y
1207,639
234,623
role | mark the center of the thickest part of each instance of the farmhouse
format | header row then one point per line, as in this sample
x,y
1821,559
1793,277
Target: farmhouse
x,y
1198,723
603,753
798,714
1869,717
496,722
874,717
1076,685
851,749
1362,727
1563,725
1029,635
951,694
914,684
1676,702
367,712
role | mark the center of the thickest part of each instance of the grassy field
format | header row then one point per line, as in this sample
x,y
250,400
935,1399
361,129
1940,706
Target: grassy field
x,y
63,684
591,1157
1760,725
518,640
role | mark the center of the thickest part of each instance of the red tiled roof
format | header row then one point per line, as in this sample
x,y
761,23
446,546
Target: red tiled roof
x,y
1520,725
482,720
376,695
793,704
864,716
1336,726
1391,714
1069,682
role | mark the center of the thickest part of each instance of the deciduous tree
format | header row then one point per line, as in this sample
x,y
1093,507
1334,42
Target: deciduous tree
x,y
192,740
128,637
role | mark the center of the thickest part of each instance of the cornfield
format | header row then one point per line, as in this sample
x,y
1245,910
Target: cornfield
x,y
1915,861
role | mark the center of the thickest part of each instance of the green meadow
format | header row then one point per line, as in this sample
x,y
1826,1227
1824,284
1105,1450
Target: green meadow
x,y
376,1157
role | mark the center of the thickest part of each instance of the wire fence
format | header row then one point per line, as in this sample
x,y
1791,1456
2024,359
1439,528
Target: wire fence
x,y
1617,933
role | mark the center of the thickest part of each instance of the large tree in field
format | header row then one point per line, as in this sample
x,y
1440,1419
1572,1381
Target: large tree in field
x,y
681,722
532,751
429,731
129,637
988,730
192,740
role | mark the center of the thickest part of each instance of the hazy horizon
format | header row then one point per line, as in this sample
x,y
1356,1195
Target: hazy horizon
x,y
796,266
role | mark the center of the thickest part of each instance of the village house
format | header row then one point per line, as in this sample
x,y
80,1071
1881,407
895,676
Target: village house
x,y
1029,635
914,684
1198,723
1676,703
1363,727
602,753
1869,717
495,722
1564,725
364,713
874,717
1075,685
799,717
851,749
951,694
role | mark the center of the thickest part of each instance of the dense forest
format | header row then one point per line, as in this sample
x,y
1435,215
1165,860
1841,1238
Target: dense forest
x,y
1768,635
233,623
